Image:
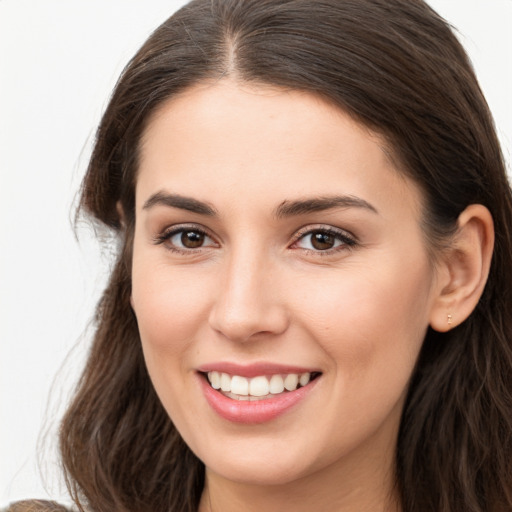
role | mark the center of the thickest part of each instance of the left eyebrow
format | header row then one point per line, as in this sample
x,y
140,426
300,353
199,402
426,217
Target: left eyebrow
x,y
319,204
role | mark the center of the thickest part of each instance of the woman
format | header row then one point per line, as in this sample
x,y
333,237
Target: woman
x,y
311,306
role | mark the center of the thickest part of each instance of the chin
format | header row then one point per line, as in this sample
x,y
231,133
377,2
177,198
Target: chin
x,y
268,460
270,472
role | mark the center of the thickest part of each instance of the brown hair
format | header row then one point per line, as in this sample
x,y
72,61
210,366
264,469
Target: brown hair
x,y
35,506
396,67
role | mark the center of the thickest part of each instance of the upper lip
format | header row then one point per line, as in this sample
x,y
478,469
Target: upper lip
x,y
253,369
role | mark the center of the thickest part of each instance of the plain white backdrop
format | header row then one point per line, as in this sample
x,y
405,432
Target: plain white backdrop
x,y
59,60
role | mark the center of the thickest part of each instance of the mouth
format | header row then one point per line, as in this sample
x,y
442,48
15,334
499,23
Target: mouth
x,y
259,387
256,393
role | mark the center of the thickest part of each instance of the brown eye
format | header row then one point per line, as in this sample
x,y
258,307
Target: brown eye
x,y
192,239
186,239
325,240
322,241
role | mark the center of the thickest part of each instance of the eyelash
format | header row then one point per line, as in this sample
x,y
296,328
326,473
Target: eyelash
x,y
347,241
166,235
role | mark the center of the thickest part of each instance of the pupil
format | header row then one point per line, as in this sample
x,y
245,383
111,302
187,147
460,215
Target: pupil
x,y
322,241
192,239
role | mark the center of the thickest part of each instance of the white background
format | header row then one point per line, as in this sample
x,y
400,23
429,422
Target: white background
x,y
59,60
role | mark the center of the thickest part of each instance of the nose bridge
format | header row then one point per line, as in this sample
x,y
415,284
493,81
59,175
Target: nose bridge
x,y
246,303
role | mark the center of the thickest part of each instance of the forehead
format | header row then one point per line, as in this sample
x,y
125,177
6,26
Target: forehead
x,y
262,142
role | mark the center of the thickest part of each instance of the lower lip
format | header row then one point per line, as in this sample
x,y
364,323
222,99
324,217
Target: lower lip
x,y
257,411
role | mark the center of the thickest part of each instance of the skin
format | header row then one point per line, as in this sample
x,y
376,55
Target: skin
x,y
257,290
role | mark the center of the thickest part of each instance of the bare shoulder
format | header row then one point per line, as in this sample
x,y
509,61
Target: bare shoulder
x,y
35,506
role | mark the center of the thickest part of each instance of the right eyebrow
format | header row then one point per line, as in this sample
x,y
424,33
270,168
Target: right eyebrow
x,y
182,202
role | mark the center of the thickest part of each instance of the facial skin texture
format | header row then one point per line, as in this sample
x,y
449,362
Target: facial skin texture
x,y
257,292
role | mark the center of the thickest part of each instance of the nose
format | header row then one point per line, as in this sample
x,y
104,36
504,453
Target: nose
x,y
248,304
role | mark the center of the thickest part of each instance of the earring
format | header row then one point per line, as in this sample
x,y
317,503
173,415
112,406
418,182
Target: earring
x,y
450,319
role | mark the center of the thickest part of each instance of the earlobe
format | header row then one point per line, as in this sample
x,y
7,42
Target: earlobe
x,y
466,265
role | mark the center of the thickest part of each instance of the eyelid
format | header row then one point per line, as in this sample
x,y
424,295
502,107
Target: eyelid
x,y
348,239
166,234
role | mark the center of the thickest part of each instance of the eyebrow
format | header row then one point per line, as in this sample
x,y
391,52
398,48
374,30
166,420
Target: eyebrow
x,y
181,202
285,209
319,204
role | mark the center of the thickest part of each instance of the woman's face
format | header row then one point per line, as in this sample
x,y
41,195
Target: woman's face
x,y
276,245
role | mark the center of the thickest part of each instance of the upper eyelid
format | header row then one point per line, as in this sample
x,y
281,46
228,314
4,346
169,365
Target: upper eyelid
x,y
347,239
176,228
165,234
310,228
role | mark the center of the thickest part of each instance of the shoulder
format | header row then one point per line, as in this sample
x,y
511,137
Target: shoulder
x,y
35,506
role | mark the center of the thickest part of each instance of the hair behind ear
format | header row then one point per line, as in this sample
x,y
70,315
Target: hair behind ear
x,y
457,420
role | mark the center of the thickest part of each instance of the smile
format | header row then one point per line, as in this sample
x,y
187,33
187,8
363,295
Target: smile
x,y
257,388
257,392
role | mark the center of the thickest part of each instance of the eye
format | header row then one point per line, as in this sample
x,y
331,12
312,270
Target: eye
x,y
188,239
183,238
324,240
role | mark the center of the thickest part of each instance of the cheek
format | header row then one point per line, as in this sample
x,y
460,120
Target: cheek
x,y
169,305
370,321
371,326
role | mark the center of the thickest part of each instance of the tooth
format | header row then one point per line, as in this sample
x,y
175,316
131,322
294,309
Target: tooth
x,y
239,385
304,378
259,386
214,379
291,381
225,382
276,384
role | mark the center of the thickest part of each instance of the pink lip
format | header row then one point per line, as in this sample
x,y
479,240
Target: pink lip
x,y
254,369
252,412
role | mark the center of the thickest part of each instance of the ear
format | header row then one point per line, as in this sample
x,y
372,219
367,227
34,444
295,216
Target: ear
x,y
120,212
122,220
463,269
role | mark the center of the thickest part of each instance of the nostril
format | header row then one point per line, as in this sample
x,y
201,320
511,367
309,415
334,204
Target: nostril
x,y
243,324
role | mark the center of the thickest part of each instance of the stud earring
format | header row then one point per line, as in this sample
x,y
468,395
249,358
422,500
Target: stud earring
x,y
450,319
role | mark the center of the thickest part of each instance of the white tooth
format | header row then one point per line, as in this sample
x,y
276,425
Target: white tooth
x,y
225,382
259,386
239,385
276,384
214,378
304,378
291,381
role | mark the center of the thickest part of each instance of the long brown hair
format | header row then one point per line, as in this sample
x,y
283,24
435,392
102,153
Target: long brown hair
x,y
396,67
